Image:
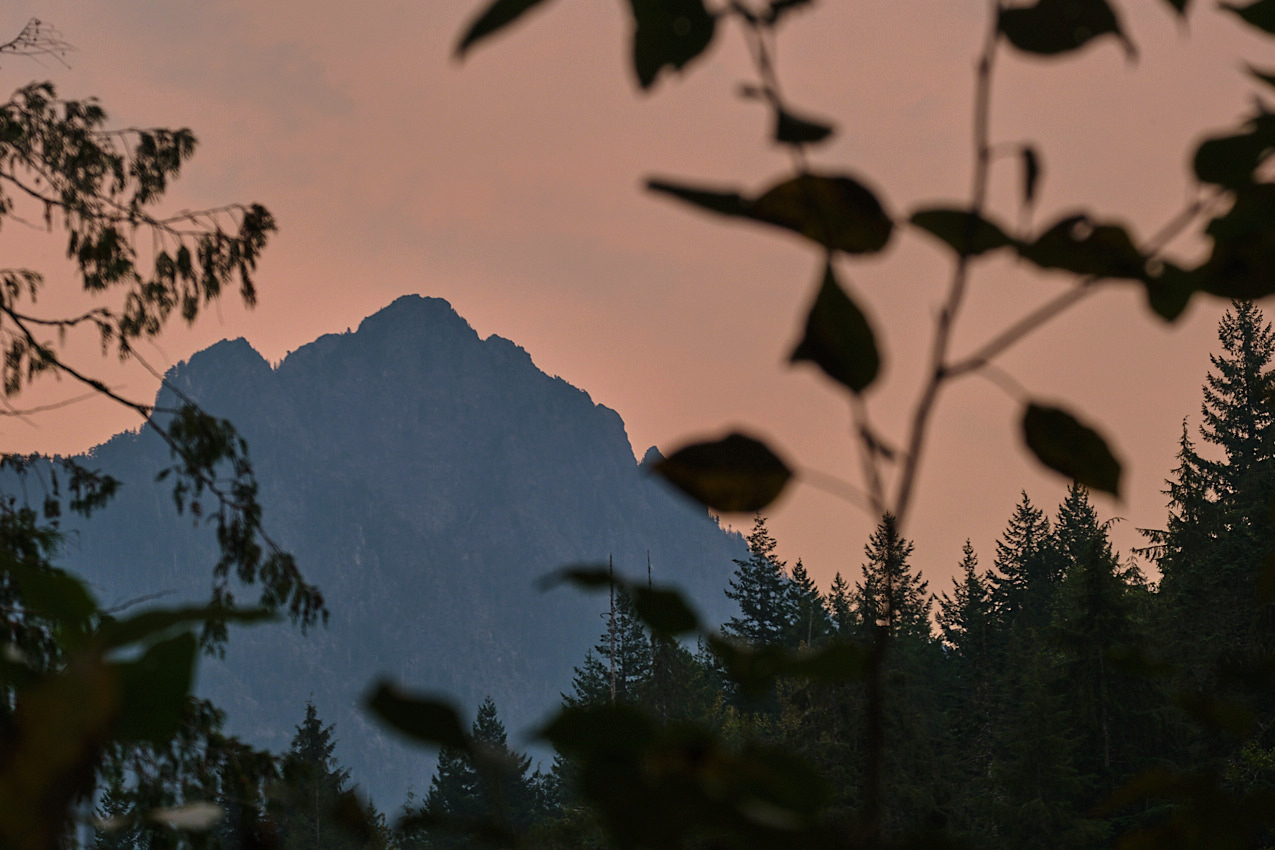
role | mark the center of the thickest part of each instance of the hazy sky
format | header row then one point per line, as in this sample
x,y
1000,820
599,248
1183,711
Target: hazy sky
x,y
510,185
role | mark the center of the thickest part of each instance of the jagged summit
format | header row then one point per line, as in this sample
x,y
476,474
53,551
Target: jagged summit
x,y
425,479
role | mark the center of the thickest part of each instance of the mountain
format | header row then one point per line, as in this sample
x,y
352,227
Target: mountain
x,y
424,478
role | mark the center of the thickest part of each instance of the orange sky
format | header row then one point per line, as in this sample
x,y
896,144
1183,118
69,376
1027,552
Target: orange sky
x,y
510,185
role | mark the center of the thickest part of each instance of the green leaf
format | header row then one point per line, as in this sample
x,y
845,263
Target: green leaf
x,y
831,209
791,129
1053,27
1031,175
1242,263
1169,290
1085,247
588,729
835,210
425,720
735,474
1260,14
838,338
53,593
722,203
1267,77
585,576
495,17
153,689
665,610
965,232
668,34
147,624
840,661
1231,160
1067,446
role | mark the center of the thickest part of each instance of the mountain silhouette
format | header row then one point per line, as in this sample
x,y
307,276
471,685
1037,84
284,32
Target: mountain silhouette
x,y
425,479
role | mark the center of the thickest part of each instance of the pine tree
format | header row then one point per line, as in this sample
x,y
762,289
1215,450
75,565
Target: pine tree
x,y
840,610
1219,529
891,594
489,792
591,684
1027,570
760,587
314,784
1095,617
811,623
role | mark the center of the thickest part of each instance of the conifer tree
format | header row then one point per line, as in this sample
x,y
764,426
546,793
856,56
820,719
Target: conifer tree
x,y
760,587
1095,617
1219,529
810,623
591,684
314,783
490,793
840,610
891,594
1027,570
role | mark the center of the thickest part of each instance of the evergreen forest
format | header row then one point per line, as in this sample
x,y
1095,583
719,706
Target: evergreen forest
x,y
1056,694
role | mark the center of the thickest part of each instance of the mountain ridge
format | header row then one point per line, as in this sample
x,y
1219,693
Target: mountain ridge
x,y
425,479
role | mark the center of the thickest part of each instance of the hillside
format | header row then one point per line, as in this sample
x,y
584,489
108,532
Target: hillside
x,y
424,478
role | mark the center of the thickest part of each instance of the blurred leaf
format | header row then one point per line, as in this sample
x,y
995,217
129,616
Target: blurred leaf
x,y
52,746
1217,714
197,817
1242,264
735,474
495,17
1267,77
668,34
1084,247
833,210
1031,175
1231,160
587,576
1260,14
611,727
1052,27
422,719
1075,450
665,610
53,593
147,624
838,338
778,9
791,129
153,689
722,203
1169,289
840,661
964,232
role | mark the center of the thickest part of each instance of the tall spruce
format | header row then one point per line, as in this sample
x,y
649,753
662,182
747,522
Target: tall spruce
x,y
760,587
1211,552
891,594
313,785
1027,570
490,793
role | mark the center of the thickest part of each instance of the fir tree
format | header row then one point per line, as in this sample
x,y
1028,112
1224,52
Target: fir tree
x,y
488,793
1027,570
840,609
760,587
810,623
1212,550
891,594
315,784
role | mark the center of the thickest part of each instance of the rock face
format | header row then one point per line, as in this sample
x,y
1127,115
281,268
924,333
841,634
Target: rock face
x,y
425,479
